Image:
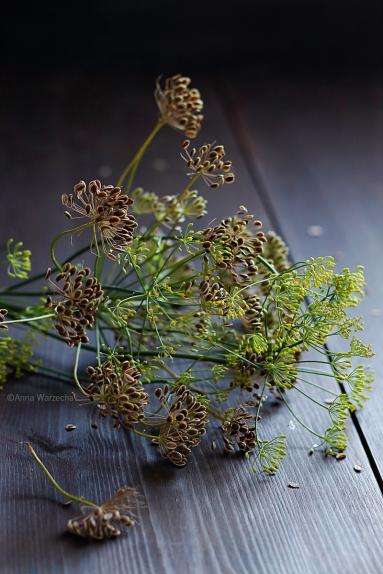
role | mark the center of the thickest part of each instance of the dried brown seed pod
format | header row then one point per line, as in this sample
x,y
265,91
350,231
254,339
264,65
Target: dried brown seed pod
x,y
208,162
185,423
117,390
77,303
107,209
180,106
107,520
236,429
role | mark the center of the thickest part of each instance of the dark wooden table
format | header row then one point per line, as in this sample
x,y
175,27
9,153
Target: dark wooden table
x,y
305,155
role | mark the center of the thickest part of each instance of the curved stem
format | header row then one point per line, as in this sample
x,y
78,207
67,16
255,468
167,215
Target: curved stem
x,y
28,319
133,165
55,484
75,369
59,236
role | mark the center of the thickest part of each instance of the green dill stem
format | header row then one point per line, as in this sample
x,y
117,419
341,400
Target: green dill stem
x,y
206,358
28,319
75,369
182,262
55,484
188,186
257,414
99,260
133,165
266,263
59,236
140,433
298,419
98,343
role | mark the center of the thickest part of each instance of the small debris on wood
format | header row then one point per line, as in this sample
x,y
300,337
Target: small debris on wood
x,y
213,445
294,485
70,427
315,230
358,467
291,425
67,503
340,456
94,425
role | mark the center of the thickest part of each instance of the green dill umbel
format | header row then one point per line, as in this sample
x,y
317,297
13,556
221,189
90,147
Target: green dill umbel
x,y
214,318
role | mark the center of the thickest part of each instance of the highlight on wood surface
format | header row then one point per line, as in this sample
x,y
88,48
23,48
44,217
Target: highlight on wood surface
x,y
189,325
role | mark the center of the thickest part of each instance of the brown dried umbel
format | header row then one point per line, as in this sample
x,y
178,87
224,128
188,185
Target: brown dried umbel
x,y
107,209
117,390
208,162
212,292
236,429
107,520
3,316
252,319
180,106
234,247
79,298
184,426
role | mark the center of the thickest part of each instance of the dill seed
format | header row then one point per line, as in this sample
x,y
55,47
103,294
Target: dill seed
x,y
70,427
358,467
340,456
294,485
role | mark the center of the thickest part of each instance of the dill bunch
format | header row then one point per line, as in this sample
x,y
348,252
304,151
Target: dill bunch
x,y
216,317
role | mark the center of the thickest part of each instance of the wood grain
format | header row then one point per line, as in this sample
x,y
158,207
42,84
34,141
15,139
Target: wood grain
x,y
214,516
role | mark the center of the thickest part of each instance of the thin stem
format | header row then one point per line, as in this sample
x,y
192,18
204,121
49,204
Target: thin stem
x,y
299,420
140,433
133,165
28,319
59,236
55,484
75,370
266,263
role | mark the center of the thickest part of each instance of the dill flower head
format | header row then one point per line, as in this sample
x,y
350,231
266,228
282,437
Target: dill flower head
x,y
233,246
79,297
236,429
107,520
180,106
117,390
184,426
107,209
3,315
208,162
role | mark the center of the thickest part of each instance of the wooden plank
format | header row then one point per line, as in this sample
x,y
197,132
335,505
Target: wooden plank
x,y
215,515
317,154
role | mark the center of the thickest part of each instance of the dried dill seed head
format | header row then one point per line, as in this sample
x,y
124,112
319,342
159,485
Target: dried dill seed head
x,y
117,390
184,426
252,318
107,208
80,295
208,162
212,292
180,106
3,315
107,520
234,247
276,251
236,430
